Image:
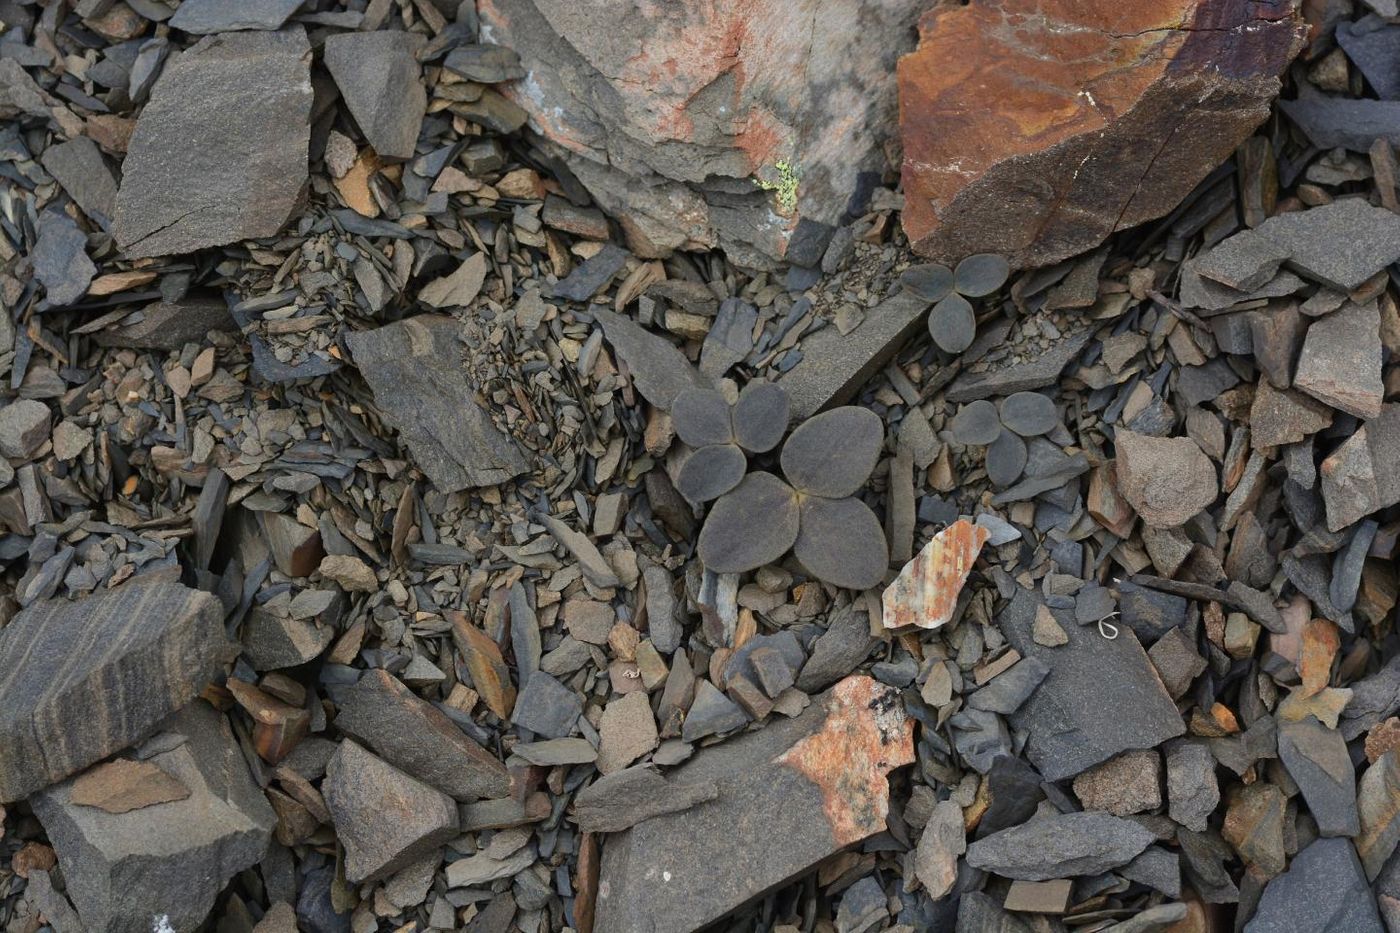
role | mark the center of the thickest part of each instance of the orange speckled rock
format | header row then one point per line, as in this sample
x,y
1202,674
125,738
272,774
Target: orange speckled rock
x,y
926,591
1035,128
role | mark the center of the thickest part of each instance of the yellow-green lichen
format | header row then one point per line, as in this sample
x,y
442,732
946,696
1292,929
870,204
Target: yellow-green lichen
x,y
785,187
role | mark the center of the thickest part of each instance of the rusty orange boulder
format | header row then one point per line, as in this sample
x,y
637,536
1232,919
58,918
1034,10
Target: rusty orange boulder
x,y
1035,128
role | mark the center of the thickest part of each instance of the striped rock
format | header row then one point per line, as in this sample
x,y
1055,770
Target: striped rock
x,y
926,591
81,680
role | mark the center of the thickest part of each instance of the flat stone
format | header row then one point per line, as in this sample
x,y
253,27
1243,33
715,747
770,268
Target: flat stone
x,y
164,642
418,738
925,594
1129,783
384,819
1255,826
205,17
1149,613
60,259
591,561
837,651
484,63
660,371
1373,48
220,151
551,752
1013,376
547,707
1280,417
1177,662
1008,691
381,82
1323,891
170,860
82,171
169,325
122,785
942,842
730,338
1316,758
1245,262
984,171
414,367
625,798
1167,480
789,795
1055,846
1102,697
711,713
1203,294
835,366
272,641
1039,897
1341,244
627,731
24,427
1378,801
1341,360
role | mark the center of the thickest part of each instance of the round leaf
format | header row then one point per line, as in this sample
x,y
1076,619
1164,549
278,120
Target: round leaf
x,y
710,472
952,325
760,417
832,454
931,281
701,417
841,543
1029,414
752,525
980,275
976,423
1006,459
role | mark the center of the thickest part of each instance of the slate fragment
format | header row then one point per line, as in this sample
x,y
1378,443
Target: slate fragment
x,y
60,258
1340,363
1376,798
941,844
164,642
204,17
413,735
1100,698
633,795
1373,48
789,795
661,372
385,819
24,427
1323,891
173,858
1192,790
1058,845
1317,759
837,651
80,168
220,151
414,367
1332,121
1363,474
169,325
1341,244
1166,480
547,707
381,82
1013,375
591,275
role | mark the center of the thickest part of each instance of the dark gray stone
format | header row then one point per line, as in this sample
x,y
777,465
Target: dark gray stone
x,y
205,17
1244,262
1059,846
659,370
591,275
730,338
161,641
1373,698
1006,692
1341,244
547,707
1029,414
837,651
382,84
60,258
1340,363
418,738
1323,891
625,798
1331,121
220,151
711,713
1348,564
1374,48
1101,697
169,325
171,860
1177,661
80,168
980,737
1014,376
485,64
414,367
1317,759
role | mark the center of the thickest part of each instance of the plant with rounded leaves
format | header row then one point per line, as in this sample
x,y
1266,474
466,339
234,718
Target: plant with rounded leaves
x,y
812,510
951,323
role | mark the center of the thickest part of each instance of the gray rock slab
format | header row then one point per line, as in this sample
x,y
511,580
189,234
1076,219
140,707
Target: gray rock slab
x,y
1341,360
837,651
1374,48
415,369
418,738
162,641
591,275
1193,792
1331,121
219,153
711,713
1317,759
625,798
1363,474
169,325
1101,696
385,819
1008,691
1323,891
1059,846
1341,244
382,83
81,170
659,370
126,870
1041,370
789,795
204,17
547,707
834,366
60,258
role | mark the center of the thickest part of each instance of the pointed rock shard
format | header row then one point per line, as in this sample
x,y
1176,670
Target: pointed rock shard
x,y
382,83
789,795
162,641
1341,360
220,152
661,372
1323,891
1049,847
926,591
1363,475
415,369
1167,480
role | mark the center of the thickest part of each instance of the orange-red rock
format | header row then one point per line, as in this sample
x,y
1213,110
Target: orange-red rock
x,y
926,591
1035,128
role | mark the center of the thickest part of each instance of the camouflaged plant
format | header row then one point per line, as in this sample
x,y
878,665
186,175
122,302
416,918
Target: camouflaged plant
x,y
757,517
951,323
